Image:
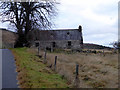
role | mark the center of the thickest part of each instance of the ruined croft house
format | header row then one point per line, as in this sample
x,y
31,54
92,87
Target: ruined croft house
x,y
64,38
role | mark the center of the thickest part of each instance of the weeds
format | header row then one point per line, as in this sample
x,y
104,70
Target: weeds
x,y
34,74
94,69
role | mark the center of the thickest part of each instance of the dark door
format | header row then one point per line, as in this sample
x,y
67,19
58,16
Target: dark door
x,y
53,44
69,44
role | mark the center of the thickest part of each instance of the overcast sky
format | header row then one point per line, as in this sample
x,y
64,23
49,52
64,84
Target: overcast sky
x,y
98,18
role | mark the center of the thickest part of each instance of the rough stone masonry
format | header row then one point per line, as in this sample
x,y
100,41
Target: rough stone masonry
x,y
63,39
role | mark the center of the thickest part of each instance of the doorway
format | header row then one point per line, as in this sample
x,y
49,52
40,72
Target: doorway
x,y
69,44
53,44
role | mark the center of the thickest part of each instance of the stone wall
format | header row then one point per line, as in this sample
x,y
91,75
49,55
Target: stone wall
x,y
65,39
64,44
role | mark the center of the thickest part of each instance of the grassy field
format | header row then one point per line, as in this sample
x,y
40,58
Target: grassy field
x,y
32,73
95,70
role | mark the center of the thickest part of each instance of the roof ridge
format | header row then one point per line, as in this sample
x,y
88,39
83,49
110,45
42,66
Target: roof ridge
x,y
59,30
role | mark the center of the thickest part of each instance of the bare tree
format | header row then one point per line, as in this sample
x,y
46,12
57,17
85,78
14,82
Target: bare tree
x,y
27,16
116,44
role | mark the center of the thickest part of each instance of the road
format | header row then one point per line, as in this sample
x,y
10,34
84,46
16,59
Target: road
x,y
0,69
9,73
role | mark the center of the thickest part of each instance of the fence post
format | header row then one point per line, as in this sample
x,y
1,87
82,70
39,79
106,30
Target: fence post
x,y
77,81
103,53
38,50
45,61
77,70
55,62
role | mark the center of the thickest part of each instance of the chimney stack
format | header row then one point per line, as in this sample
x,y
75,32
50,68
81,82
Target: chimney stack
x,y
80,28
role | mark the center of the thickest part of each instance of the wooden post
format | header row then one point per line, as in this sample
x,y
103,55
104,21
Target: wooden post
x,y
103,53
55,63
45,61
77,81
38,50
77,70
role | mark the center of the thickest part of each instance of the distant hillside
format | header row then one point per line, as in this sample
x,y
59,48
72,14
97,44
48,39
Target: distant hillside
x,y
94,46
8,38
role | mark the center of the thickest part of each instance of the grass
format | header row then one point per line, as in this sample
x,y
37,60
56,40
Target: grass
x,y
95,70
32,73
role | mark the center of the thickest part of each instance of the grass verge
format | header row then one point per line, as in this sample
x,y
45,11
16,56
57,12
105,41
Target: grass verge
x,y
32,73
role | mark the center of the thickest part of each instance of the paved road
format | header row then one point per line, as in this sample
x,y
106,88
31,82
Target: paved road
x,y
0,69
8,70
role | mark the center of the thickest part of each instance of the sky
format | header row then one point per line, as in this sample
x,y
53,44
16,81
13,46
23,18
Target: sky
x,y
98,18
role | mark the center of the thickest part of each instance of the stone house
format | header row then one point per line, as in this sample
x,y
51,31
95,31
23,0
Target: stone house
x,y
63,39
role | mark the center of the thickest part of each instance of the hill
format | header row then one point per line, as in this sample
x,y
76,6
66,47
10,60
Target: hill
x,y
94,46
8,38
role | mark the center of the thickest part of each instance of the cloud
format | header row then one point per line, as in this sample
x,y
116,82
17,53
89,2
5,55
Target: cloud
x,y
4,25
98,18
